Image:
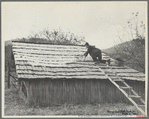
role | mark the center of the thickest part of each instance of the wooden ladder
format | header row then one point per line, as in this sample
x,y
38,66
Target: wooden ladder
x,y
114,78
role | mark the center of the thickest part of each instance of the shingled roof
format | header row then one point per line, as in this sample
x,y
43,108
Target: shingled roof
x,y
38,61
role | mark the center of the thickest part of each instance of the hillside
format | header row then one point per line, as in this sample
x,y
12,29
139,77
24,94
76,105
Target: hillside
x,y
132,52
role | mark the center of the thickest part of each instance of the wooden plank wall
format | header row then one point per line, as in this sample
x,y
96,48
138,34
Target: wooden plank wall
x,y
47,92
138,87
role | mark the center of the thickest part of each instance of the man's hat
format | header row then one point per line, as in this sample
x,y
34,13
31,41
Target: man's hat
x,y
86,43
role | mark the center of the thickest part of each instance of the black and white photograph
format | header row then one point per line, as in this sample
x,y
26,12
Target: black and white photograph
x,y
77,59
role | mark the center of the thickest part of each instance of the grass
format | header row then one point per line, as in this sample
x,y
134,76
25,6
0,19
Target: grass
x,y
15,106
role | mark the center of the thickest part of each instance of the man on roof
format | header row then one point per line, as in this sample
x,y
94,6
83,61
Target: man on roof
x,y
95,53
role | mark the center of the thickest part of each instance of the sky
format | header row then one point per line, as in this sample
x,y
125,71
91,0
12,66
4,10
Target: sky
x,y
101,23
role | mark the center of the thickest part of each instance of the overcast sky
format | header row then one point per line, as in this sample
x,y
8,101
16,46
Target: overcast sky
x,y
99,22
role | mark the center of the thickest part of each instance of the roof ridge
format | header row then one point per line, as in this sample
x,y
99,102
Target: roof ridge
x,y
46,43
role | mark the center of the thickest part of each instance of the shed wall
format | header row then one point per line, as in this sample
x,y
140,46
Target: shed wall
x,y
48,92
138,87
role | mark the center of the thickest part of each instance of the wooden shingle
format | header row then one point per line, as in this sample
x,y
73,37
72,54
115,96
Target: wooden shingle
x,y
35,61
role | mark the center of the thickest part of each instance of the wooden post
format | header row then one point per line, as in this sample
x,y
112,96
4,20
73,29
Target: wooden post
x,y
8,68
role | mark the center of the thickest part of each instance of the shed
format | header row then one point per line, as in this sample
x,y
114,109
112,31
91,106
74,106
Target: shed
x,y
56,74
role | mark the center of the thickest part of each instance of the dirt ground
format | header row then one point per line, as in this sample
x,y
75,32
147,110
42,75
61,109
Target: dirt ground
x,y
15,106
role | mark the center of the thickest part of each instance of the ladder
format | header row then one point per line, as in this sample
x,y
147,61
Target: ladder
x,y
126,89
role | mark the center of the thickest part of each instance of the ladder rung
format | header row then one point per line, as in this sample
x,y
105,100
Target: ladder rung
x,y
114,77
134,96
125,87
118,68
119,80
111,74
104,67
141,105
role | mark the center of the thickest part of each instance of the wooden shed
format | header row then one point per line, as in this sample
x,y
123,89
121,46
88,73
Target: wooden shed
x,y
56,74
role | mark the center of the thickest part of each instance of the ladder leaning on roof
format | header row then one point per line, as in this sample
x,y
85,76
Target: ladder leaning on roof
x,y
114,78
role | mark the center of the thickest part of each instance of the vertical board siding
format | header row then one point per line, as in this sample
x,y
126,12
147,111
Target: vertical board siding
x,y
48,92
138,86
31,93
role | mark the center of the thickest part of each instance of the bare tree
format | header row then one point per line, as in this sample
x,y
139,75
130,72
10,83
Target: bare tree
x,y
59,37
